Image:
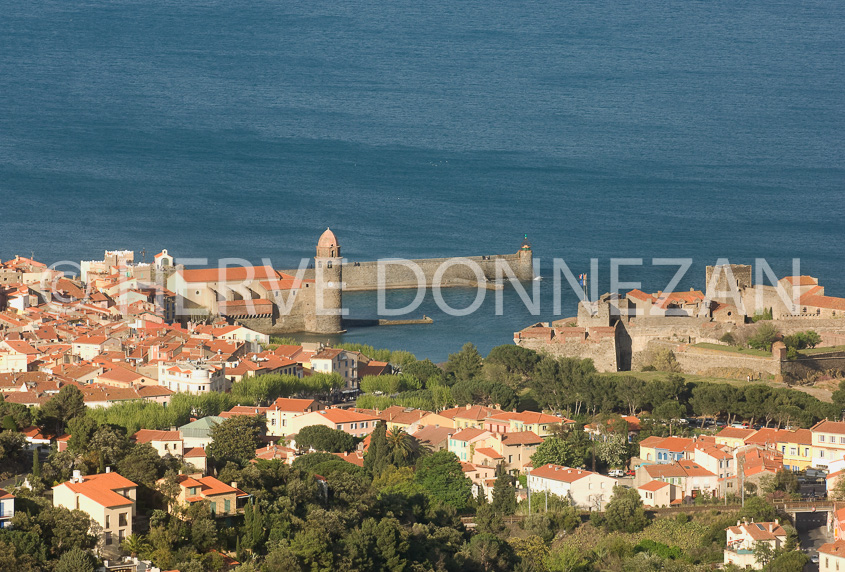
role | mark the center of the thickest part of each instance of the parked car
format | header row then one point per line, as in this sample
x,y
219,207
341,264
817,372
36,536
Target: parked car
x,y
630,473
616,473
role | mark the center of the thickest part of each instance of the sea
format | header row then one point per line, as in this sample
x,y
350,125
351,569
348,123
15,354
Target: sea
x,y
702,130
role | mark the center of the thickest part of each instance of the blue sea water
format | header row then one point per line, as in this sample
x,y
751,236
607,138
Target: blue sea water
x,y
601,129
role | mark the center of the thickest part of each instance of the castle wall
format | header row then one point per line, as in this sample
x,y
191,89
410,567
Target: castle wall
x,y
702,361
805,367
362,276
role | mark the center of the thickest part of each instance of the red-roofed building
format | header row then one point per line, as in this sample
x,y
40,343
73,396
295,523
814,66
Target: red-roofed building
x,y
164,442
225,500
356,424
588,490
658,494
743,539
7,508
832,556
283,410
108,498
540,424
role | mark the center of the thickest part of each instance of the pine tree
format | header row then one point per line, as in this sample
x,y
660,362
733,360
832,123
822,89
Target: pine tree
x,y
504,493
36,464
377,457
257,528
249,524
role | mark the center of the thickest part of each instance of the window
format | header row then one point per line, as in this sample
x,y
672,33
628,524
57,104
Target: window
x,y
821,438
121,534
121,519
108,539
339,427
227,505
842,440
213,507
108,521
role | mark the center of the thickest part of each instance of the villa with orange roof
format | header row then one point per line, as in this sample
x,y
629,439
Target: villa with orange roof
x,y
164,442
281,411
356,424
657,494
828,442
107,498
540,424
743,539
587,490
465,442
225,500
832,556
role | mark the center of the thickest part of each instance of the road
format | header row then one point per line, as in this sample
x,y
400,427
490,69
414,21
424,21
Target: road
x,y
812,532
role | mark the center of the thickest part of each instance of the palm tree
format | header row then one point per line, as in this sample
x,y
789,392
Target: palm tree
x,y
404,448
135,544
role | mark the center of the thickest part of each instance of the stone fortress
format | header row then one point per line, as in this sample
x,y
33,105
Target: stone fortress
x,y
623,332
310,300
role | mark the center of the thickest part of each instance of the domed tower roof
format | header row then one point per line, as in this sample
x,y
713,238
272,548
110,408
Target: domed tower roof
x,y
327,239
327,246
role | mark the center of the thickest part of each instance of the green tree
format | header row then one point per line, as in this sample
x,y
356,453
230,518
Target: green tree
x,y
36,464
441,476
75,560
669,412
323,438
466,364
404,449
504,493
378,455
758,509
625,511
489,553
141,465
567,558
81,431
763,337
135,544
236,439
556,451
61,408
613,450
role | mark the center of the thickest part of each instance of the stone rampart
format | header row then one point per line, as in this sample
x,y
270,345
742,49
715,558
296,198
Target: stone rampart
x,y
361,276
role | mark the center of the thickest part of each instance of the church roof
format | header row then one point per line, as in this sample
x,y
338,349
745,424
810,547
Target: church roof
x,y
327,239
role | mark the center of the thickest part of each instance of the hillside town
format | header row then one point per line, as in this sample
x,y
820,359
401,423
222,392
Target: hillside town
x,y
135,442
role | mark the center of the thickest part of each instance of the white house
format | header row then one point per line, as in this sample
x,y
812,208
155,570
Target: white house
x,y
743,539
587,490
191,377
7,508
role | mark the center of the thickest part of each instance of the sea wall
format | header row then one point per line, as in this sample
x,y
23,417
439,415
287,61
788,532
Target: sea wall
x,y
465,271
703,361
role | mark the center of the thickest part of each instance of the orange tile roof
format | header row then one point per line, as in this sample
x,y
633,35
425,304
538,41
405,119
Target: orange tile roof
x,y
101,489
229,274
194,453
149,435
653,486
735,433
833,548
521,438
468,434
344,416
488,452
829,427
560,473
294,405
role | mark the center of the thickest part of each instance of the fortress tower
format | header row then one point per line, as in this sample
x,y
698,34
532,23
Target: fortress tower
x,y
329,281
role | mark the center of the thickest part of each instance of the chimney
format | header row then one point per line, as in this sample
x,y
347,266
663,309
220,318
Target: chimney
x,y
234,484
468,405
108,469
77,476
